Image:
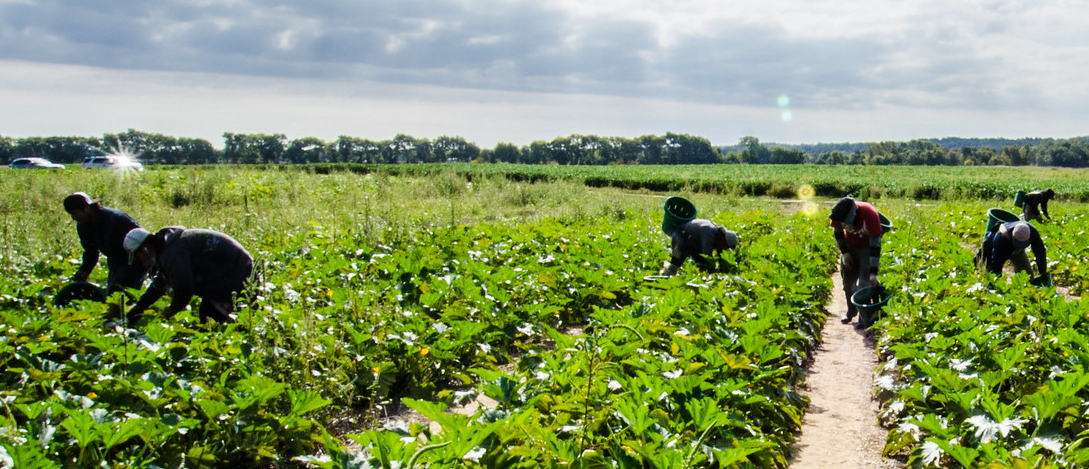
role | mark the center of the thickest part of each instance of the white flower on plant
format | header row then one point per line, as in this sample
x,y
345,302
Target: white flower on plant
x,y
290,294
1054,445
885,382
932,453
475,454
987,429
6,462
910,429
896,407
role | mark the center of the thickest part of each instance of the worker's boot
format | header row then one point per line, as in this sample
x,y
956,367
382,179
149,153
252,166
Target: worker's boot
x,y
851,312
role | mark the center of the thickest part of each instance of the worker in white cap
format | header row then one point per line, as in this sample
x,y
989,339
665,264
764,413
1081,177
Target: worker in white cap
x,y
1007,242
191,262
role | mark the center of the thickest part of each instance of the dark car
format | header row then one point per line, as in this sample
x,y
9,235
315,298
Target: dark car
x,y
32,163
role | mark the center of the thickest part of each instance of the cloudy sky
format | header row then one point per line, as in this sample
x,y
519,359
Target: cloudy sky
x,y
785,71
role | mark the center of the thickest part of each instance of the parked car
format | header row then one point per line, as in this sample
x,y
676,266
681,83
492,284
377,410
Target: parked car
x,y
112,161
31,163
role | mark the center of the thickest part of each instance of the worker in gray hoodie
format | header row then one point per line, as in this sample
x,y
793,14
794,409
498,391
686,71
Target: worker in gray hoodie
x,y
698,239
192,262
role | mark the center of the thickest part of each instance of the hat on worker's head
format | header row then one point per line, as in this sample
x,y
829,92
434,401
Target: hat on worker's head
x,y
844,211
731,238
1021,234
78,201
133,240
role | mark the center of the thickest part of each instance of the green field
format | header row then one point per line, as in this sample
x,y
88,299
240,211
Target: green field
x,y
386,288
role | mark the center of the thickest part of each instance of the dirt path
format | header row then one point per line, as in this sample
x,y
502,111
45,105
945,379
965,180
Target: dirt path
x,y
840,427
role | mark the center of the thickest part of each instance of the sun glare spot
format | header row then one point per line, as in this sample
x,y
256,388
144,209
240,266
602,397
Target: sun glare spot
x,y
810,208
806,192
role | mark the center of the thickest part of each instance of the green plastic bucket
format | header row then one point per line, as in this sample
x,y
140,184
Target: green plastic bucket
x,y
79,291
1019,198
996,216
677,211
886,224
869,301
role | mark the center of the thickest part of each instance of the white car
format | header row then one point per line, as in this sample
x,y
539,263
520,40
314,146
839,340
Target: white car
x,y
30,163
112,161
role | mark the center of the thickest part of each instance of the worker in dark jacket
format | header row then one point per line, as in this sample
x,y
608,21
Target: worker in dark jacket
x,y
102,230
698,238
1007,242
1035,202
857,229
199,262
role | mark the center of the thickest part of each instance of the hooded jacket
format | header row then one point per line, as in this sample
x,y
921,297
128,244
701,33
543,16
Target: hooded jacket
x,y
697,238
197,262
105,236
999,245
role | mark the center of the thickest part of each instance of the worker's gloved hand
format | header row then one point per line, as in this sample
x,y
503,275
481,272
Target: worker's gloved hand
x,y
668,269
80,276
845,260
873,280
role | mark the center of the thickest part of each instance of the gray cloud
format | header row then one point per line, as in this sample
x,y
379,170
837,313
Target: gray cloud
x,y
991,55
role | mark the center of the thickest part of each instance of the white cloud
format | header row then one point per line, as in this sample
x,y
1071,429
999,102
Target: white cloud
x,y
973,68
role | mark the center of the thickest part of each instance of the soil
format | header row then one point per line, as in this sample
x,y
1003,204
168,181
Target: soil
x,y
840,428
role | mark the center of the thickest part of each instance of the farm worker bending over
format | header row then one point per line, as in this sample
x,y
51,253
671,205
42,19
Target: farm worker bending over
x,y
698,238
858,233
205,263
1007,242
1035,202
102,230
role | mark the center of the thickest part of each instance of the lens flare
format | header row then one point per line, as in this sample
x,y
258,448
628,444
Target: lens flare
x,y
806,192
787,116
784,101
810,208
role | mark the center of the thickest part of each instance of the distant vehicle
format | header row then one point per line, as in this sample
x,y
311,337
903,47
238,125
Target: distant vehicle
x,y
112,161
32,163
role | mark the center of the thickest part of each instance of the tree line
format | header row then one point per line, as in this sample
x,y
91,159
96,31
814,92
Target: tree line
x,y
670,148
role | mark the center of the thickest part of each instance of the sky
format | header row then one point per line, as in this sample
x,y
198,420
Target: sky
x,y
514,71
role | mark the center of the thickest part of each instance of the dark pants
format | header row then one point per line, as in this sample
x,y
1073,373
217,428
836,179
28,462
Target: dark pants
x,y
1032,213
855,275
218,307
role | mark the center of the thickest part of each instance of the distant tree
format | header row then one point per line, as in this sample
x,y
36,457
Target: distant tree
x,y
836,157
253,148
1068,153
196,151
1017,155
650,149
688,149
402,149
158,148
781,155
506,153
309,150
447,148
67,150
539,153
754,152
7,149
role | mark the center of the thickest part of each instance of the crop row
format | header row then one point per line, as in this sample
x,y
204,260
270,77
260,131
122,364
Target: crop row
x,y
982,370
782,181
342,324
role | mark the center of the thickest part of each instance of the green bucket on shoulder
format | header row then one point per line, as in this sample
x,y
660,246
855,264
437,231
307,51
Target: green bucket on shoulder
x,y
678,210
